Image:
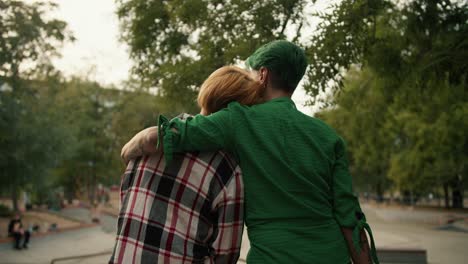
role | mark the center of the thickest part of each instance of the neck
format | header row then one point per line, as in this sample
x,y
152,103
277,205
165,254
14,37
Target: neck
x,y
275,93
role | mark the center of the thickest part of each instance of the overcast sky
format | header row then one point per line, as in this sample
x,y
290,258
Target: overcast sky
x,y
98,54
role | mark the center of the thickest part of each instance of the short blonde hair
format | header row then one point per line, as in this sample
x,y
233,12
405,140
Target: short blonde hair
x,y
228,84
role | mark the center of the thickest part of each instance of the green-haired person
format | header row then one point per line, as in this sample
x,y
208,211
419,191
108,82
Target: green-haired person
x,y
299,203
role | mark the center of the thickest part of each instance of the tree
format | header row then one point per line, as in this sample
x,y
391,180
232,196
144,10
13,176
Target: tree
x,y
418,53
359,116
428,129
28,141
343,38
177,44
32,140
389,37
27,37
102,120
57,133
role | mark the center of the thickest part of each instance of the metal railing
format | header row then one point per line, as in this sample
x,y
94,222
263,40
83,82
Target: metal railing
x,y
81,256
56,260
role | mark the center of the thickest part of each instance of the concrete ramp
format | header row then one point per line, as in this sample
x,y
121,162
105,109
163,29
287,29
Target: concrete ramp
x,y
402,256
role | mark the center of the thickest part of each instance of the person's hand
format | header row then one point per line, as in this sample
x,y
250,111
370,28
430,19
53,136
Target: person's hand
x,y
143,143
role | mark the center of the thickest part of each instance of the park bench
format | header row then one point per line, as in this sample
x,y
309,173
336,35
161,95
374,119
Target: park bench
x,y
402,256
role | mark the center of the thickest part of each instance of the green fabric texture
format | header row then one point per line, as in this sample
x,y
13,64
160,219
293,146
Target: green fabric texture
x,y
282,57
298,191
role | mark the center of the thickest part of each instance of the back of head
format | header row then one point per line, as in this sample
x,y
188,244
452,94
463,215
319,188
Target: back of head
x,y
225,85
284,59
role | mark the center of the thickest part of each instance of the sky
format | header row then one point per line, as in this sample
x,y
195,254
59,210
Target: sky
x,y
97,52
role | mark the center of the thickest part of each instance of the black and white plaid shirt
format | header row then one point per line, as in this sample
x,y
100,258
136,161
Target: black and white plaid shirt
x,y
188,212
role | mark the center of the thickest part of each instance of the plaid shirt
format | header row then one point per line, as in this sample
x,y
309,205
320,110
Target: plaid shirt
x,y
188,212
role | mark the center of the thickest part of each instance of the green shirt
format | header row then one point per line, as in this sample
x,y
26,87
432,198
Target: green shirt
x,y
298,190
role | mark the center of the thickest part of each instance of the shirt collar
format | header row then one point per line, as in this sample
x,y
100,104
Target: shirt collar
x,y
284,99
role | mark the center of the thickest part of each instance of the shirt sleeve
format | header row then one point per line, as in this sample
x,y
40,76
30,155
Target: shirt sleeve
x,y
125,213
346,207
227,232
198,133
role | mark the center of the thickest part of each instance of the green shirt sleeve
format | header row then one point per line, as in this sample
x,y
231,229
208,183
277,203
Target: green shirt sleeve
x,y
346,207
199,133
345,204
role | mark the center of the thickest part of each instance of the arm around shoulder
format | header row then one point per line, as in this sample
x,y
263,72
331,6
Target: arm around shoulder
x,y
198,133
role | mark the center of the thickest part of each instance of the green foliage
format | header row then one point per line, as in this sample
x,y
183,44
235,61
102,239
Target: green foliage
x,y
28,136
343,39
102,121
177,44
359,116
402,101
395,40
55,132
27,37
430,129
395,74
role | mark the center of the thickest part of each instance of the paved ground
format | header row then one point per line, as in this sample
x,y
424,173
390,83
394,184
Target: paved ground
x,y
398,228
71,243
83,241
79,214
393,228
42,219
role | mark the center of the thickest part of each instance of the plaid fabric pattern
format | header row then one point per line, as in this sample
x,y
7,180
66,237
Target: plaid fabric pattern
x,y
190,211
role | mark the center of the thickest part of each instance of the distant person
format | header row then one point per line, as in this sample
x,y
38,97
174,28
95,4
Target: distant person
x,y
300,206
190,211
96,212
16,230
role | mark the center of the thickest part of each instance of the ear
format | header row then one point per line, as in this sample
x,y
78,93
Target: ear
x,y
263,75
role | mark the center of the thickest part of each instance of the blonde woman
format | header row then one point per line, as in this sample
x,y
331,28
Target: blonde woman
x,y
190,211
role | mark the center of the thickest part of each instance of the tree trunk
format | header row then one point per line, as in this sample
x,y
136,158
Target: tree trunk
x,y
411,197
93,183
14,197
446,196
407,197
457,193
379,191
439,200
69,196
457,198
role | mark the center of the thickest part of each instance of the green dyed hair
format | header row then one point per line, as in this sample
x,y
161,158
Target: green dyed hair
x,y
285,59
